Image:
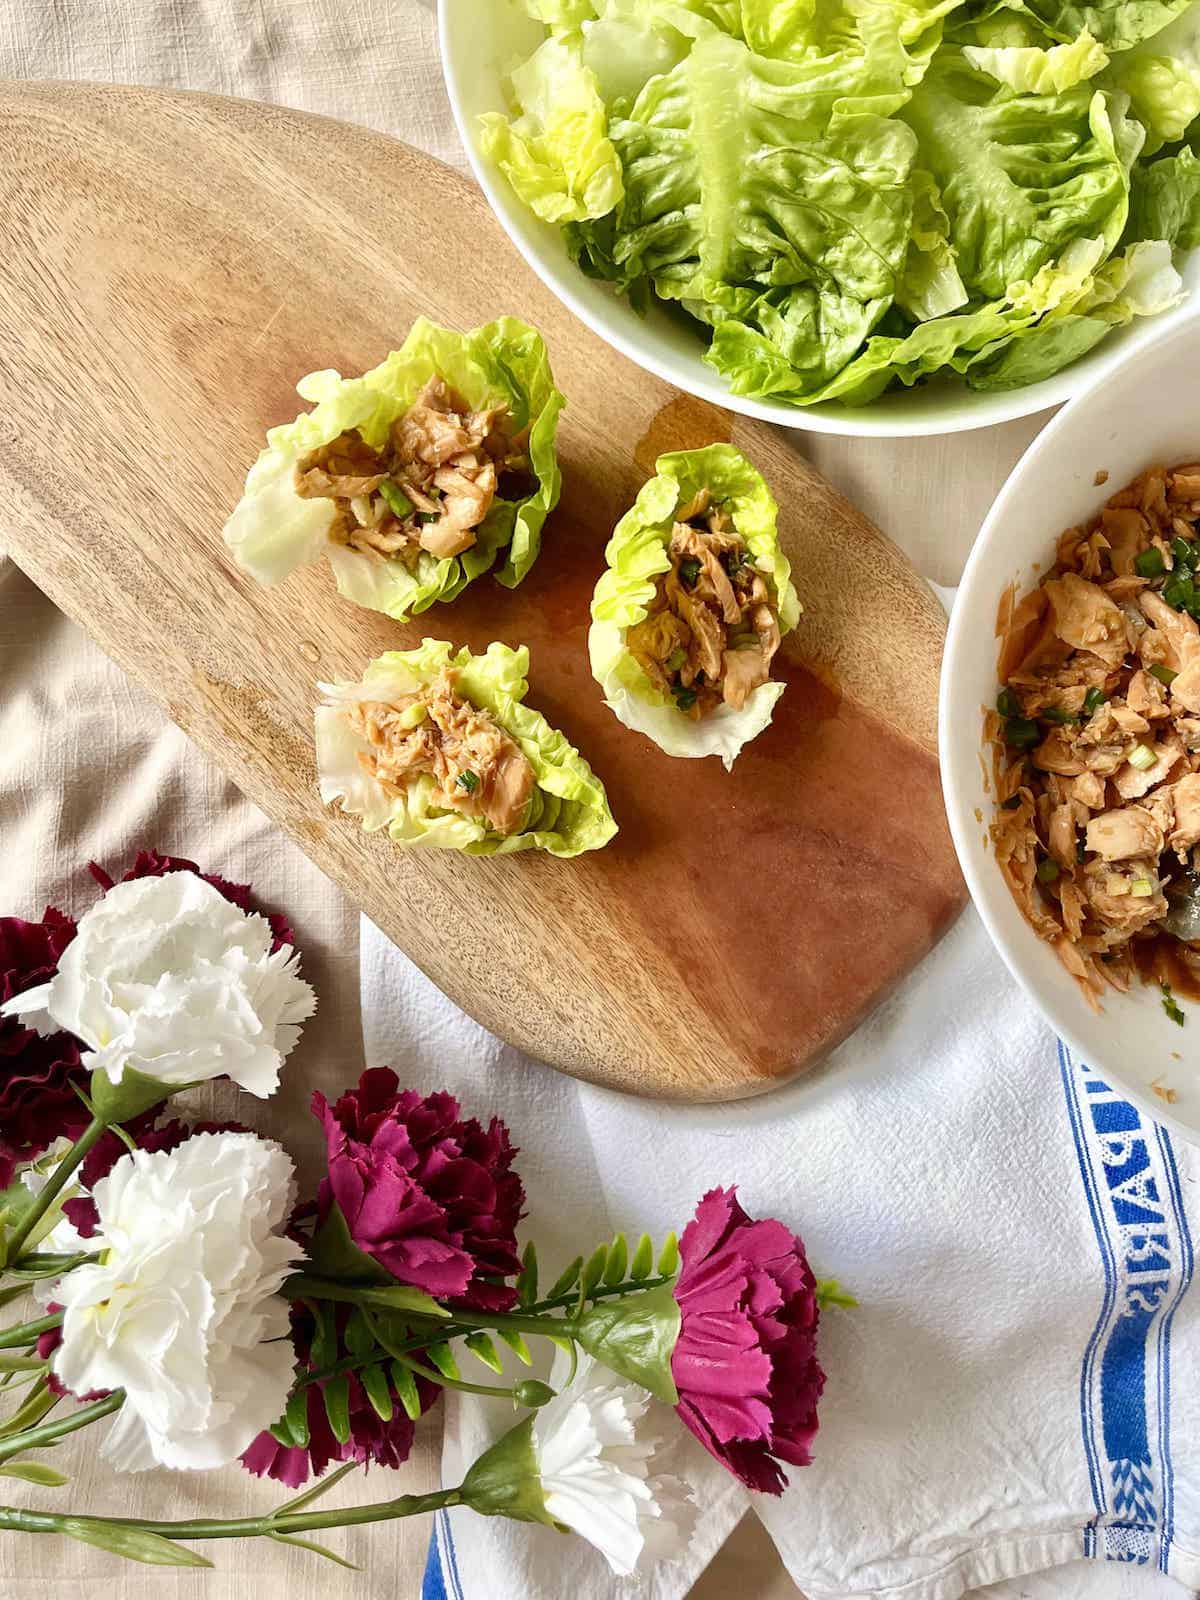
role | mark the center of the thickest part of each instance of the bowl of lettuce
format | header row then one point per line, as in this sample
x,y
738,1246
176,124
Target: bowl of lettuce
x,y
887,217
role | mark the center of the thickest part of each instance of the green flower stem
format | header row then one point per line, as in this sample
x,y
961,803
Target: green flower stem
x,y
517,1321
47,1432
463,1325
406,1505
27,1332
55,1185
440,1378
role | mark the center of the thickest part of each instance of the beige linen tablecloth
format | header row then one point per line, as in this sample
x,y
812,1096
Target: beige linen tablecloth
x,y
91,769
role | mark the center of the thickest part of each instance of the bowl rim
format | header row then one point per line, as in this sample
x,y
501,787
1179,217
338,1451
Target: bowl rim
x,y
1002,406
965,614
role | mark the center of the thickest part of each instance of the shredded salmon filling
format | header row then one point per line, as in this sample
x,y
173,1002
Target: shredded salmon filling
x,y
427,488
1096,742
712,630
478,769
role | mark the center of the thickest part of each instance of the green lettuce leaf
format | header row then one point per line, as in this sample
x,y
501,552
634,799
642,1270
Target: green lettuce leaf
x,y
808,179
774,193
637,556
1116,24
1140,283
1162,79
556,154
568,812
273,530
970,338
1165,203
1022,176
1029,69
930,285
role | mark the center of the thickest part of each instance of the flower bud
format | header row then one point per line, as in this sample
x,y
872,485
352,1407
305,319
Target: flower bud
x,y
531,1392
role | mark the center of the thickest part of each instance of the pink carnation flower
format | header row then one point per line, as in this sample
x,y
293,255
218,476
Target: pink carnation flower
x,y
745,1363
429,1196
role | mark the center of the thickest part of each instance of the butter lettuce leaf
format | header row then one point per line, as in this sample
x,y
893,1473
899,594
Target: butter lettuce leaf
x,y
1022,176
1031,69
556,152
850,194
1162,78
637,556
1116,24
568,812
1165,203
273,530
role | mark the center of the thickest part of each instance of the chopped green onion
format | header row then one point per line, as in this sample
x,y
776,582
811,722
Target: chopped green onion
x,y
1007,704
1047,871
689,571
425,517
1093,700
1142,887
676,659
1057,715
1013,801
1183,551
1150,563
1143,757
1163,674
1171,1005
1020,733
398,502
468,781
685,699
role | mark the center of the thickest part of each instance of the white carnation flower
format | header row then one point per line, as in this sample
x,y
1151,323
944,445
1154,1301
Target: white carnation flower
x,y
178,1310
168,978
594,1460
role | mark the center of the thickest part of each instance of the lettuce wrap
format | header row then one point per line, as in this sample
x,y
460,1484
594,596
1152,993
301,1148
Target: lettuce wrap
x,y
644,653
500,373
436,691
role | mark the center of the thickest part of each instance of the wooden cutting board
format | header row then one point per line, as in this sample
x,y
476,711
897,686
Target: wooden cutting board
x,y
170,265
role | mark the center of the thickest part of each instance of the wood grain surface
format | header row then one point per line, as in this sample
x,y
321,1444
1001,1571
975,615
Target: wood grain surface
x,y
170,265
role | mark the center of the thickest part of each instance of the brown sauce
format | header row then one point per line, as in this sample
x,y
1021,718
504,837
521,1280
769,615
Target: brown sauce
x,y
1161,960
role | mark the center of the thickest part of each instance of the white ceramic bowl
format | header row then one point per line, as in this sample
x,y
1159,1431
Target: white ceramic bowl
x,y
481,41
1147,410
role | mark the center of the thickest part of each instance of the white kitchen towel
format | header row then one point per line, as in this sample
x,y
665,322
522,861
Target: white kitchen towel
x,y
1019,1385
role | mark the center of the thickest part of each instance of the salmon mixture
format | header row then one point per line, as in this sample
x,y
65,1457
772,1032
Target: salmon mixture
x,y
1096,742
428,488
712,630
478,769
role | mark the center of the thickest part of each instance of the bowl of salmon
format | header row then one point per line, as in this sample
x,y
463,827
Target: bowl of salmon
x,y
1070,726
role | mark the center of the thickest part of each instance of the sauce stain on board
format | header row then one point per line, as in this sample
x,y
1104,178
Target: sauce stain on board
x,y
684,423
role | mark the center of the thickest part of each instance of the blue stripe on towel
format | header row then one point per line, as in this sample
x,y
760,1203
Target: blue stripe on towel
x,y
1127,1167
433,1585
441,1581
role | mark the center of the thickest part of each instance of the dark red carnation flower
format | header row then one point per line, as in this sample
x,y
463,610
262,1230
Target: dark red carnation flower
x,y
153,864
429,1196
37,1102
745,1363
387,1444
